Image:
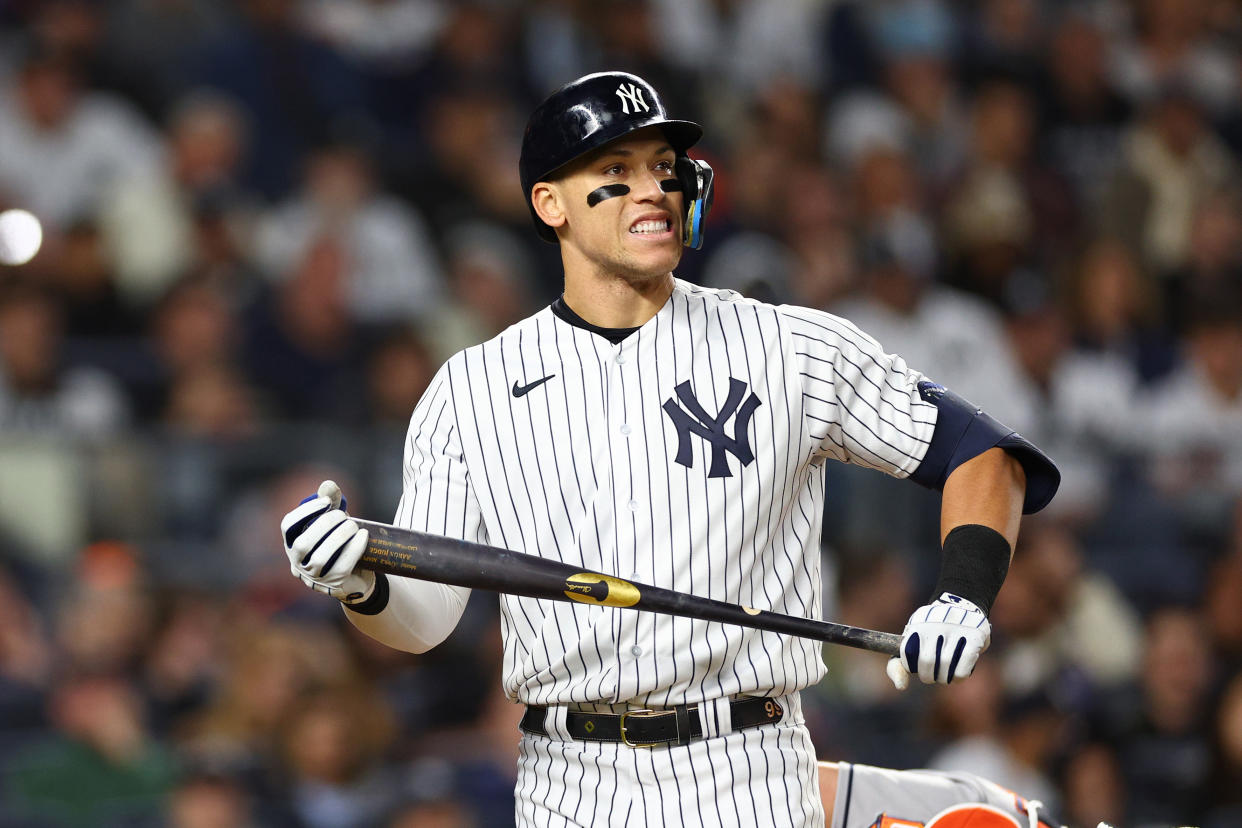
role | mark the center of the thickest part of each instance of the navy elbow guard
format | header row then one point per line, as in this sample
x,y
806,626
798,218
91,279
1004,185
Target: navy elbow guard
x,y
964,431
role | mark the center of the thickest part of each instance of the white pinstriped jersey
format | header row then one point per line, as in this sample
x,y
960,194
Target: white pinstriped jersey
x,y
629,460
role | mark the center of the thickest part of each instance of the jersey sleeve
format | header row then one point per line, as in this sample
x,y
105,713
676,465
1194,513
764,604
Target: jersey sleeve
x,y
860,405
437,495
436,498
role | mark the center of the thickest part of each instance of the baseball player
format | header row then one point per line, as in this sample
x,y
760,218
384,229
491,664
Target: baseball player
x,y
675,435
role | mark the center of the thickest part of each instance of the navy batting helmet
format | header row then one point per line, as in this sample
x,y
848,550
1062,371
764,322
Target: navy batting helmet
x,y
587,113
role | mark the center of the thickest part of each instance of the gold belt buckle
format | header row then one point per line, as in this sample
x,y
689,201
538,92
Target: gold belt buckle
x,y
642,713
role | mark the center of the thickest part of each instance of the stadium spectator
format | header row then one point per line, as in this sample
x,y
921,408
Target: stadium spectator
x,y
1065,396
1213,262
815,228
181,662
392,272
194,332
1114,312
1056,617
302,343
1005,209
1082,114
490,282
916,106
333,743
202,799
466,146
265,671
1170,42
376,32
1170,162
101,766
84,280
958,338
1094,791
399,369
104,624
1161,726
1224,806
64,145
295,90
1192,420
1010,736
149,221
38,391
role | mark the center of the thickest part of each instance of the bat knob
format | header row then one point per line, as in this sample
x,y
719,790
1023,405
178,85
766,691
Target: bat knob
x,y
897,673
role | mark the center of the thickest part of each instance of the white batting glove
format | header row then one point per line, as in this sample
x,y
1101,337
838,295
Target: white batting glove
x,y
941,642
324,546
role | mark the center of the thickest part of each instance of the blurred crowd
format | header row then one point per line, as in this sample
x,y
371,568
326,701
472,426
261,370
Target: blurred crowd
x,y
267,223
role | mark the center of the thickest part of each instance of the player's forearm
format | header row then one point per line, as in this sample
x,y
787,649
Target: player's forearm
x,y
987,490
418,615
980,510
979,516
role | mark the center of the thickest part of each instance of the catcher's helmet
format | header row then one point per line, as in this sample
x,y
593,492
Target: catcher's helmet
x,y
587,113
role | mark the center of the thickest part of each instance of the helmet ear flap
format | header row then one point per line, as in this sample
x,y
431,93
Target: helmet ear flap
x,y
697,181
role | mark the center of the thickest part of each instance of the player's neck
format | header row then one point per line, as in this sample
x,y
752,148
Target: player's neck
x,y
616,302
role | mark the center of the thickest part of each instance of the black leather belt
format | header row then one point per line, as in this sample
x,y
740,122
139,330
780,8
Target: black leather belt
x,y
678,725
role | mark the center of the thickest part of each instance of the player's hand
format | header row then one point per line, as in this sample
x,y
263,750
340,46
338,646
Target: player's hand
x,y
941,642
324,546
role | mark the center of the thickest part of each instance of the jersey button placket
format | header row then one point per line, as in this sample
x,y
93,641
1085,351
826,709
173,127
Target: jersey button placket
x,y
622,401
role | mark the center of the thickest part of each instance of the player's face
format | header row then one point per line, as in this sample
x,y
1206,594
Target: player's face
x,y
619,217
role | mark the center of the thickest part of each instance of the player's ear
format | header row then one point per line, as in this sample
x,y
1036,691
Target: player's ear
x,y
546,198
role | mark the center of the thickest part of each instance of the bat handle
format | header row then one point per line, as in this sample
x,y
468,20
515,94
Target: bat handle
x,y
886,643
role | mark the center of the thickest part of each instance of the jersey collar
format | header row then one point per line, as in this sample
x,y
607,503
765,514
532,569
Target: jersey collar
x,y
564,312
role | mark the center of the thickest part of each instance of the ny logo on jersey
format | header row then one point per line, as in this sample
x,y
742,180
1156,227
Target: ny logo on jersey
x,y
712,429
631,95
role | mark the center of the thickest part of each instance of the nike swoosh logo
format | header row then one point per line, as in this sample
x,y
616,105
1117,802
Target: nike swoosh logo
x,y
523,390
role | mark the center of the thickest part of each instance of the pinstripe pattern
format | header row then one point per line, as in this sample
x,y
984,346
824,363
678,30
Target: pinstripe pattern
x,y
749,779
582,468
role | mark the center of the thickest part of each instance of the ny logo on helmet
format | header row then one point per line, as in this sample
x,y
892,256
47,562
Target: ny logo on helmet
x,y
711,428
631,95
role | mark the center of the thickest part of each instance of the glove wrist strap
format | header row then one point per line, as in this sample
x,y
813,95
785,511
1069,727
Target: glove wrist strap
x,y
974,563
374,603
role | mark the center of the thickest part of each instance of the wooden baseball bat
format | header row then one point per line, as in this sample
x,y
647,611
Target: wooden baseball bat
x,y
412,554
